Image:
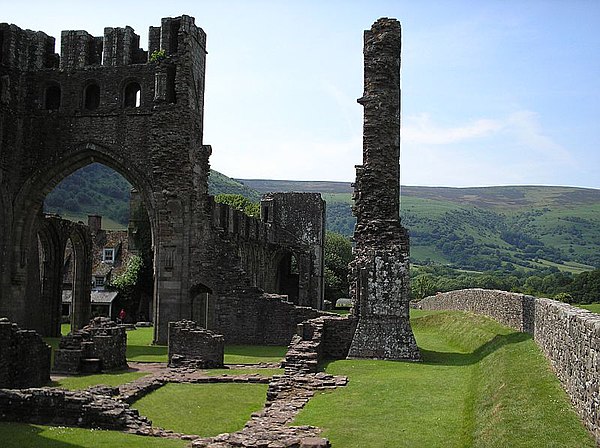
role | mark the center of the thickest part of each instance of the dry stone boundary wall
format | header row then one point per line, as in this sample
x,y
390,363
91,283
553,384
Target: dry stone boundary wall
x,y
568,336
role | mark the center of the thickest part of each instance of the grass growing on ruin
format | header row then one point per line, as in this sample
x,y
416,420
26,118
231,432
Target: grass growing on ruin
x,y
108,379
202,409
480,384
20,435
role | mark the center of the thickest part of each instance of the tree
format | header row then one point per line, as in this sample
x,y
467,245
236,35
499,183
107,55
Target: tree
x,y
338,253
239,202
422,286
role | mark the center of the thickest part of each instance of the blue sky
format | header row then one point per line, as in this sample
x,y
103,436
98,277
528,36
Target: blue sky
x,y
494,92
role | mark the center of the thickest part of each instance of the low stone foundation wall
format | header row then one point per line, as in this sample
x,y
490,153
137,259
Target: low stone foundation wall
x,y
87,409
315,339
100,345
265,319
568,336
24,357
193,346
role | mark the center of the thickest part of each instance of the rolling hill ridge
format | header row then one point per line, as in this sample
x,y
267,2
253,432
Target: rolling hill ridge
x,y
537,228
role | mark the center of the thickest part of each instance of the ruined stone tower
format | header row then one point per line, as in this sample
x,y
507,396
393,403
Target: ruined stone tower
x,y
380,270
106,100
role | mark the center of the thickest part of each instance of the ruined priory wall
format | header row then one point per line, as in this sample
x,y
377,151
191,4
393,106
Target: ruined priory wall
x,y
568,336
325,337
259,319
69,408
24,357
191,345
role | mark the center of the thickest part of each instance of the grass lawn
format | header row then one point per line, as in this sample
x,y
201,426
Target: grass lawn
x,y
232,372
108,379
140,349
21,435
480,384
594,307
254,354
203,409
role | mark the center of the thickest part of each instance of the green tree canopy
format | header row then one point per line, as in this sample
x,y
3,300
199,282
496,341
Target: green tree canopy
x,y
338,253
239,202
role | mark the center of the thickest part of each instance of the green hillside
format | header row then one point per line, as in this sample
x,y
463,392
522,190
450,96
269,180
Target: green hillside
x,y
478,229
97,189
485,228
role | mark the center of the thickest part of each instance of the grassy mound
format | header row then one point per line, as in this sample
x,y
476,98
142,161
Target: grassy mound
x,y
480,384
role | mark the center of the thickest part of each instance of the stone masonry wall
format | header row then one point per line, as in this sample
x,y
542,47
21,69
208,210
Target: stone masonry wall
x,y
24,357
510,309
102,340
58,407
265,319
193,346
568,336
316,339
379,273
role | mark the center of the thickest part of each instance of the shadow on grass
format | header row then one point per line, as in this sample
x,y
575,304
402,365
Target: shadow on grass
x,y
18,435
463,359
431,357
147,353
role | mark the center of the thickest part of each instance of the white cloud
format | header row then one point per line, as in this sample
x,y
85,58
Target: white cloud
x,y
514,149
420,129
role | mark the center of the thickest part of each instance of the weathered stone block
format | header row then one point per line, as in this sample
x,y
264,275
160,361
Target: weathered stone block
x,y
193,346
101,343
24,357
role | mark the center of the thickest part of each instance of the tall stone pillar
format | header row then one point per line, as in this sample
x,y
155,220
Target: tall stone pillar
x,y
379,273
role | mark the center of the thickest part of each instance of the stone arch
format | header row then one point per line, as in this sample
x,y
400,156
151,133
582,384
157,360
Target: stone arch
x,y
30,200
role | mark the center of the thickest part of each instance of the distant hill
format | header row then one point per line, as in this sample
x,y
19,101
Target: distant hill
x,y
484,228
97,189
268,186
535,228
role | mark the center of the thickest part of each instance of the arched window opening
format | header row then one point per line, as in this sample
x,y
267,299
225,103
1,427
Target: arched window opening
x,y
52,97
133,93
92,97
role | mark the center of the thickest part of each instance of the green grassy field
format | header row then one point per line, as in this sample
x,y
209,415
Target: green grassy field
x,y
202,409
594,307
140,349
21,435
479,385
108,379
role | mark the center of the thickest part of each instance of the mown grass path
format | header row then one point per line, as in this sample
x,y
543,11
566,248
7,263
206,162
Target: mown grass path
x,y
480,385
